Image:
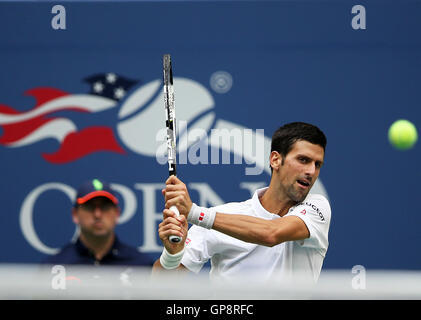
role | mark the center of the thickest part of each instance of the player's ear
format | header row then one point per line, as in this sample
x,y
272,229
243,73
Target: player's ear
x,y
118,212
276,160
75,216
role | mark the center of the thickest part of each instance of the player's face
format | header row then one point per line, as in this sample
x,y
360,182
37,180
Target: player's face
x,y
300,169
97,217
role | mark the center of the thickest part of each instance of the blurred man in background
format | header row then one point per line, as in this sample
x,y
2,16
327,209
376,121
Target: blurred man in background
x,y
96,212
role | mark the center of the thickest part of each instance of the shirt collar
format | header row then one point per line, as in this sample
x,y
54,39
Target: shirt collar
x,y
257,205
83,250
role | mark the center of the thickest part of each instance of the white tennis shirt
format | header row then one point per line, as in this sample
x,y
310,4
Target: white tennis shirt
x,y
232,258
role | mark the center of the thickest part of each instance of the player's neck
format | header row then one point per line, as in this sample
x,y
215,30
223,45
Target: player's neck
x,y
98,245
276,201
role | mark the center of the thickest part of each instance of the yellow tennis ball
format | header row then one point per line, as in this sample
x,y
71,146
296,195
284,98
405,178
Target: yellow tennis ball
x,y
403,134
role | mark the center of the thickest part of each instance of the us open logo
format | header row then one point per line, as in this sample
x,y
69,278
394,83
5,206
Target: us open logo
x,y
139,117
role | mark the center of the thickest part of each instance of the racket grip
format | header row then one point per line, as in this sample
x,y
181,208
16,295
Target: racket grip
x,y
175,239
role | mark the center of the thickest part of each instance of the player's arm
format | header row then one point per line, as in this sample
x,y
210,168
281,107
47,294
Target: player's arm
x,y
242,227
157,267
171,225
261,231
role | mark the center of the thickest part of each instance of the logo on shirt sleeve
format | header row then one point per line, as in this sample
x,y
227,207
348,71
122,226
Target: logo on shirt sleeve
x,y
309,204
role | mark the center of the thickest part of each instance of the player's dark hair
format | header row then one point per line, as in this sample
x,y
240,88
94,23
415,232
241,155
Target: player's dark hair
x,y
284,138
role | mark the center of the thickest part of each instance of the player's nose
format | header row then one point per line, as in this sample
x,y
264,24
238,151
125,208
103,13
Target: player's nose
x,y
97,212
310,170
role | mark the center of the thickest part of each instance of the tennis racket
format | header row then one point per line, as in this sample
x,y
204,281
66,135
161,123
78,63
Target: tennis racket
x,y
171,126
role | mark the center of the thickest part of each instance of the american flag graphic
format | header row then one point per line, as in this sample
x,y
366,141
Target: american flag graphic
x,y
21,129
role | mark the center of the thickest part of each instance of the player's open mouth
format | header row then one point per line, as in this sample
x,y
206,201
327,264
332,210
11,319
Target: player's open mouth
x,y
303,183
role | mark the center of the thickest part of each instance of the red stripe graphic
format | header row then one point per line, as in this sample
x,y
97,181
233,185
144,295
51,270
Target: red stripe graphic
x,y
79,144
17,131
7,110
45,94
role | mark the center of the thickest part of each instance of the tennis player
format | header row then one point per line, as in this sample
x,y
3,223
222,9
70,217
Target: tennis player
x,y
281,231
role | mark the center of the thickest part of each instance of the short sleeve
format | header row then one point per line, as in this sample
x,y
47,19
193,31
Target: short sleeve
x,y
316,213
199,248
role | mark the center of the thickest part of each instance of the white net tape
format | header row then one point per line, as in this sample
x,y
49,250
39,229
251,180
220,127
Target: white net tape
x,y
31,282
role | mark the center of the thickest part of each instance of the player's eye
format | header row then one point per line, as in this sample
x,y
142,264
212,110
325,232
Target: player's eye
x,y
88,207
105,206
303,159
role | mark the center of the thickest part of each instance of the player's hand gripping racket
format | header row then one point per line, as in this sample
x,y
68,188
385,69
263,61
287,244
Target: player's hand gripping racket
x,y
171,126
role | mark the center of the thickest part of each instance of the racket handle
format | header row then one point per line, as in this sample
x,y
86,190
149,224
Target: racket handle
x,y
175,239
